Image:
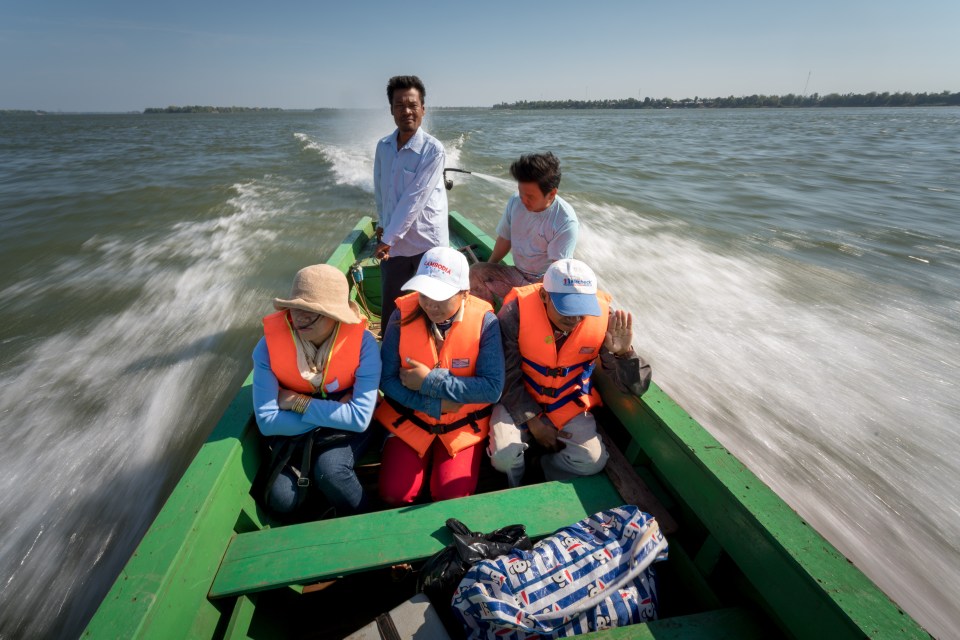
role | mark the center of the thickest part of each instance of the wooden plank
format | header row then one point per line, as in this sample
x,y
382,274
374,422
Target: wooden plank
x,y
708,557
731,624
239,625
632,487
348,251
467,232
317,550
698,594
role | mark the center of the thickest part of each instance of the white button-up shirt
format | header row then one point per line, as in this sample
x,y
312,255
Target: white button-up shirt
x,y
411,199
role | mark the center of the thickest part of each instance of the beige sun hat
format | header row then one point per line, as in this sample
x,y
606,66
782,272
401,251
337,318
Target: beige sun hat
x,y
321,288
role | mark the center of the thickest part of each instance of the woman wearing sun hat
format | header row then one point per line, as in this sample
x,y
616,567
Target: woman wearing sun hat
x,y
315,378
442,370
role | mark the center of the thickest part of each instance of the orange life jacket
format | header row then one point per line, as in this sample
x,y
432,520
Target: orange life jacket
x,y
340,369
559,382
457,431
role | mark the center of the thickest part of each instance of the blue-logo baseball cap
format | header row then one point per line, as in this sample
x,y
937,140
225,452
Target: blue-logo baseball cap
x,y
572,286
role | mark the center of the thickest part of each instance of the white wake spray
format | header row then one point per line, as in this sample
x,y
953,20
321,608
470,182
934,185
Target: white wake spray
x,y
109,399
826,406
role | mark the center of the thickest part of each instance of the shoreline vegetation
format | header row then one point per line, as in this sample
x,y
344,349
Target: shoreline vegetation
x,y
789,101
204,109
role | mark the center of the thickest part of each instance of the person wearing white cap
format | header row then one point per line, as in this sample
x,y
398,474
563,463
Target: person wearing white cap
x,y
442,370
553,335
408,189
316,374
537,228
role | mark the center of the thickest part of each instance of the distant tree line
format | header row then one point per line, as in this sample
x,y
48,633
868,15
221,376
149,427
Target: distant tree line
x,y
872,99
200,109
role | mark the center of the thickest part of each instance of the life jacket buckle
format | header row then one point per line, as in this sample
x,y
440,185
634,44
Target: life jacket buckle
x,y
303,481
550,392
557,372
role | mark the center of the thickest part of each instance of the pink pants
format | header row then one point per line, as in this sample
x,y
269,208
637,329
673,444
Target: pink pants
x,y
402,472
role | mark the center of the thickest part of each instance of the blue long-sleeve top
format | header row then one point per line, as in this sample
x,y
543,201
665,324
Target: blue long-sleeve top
x,y
484,386
348,416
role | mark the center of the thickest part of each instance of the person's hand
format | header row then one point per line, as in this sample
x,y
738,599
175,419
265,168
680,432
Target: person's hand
x,y
619,336
382,252
449,406
347,398
379,233
414,374
286,398
545,434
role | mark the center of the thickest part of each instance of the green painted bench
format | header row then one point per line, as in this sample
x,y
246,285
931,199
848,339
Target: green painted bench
x,y
310,552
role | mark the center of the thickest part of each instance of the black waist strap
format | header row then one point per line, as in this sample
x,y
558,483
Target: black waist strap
x,y
406,413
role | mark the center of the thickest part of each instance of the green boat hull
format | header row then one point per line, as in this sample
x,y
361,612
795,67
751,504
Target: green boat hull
x,y
742,563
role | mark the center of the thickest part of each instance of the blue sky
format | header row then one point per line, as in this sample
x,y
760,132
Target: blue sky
x,y
125,56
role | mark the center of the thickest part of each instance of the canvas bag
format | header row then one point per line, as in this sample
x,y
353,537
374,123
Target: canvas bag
x,y
592,575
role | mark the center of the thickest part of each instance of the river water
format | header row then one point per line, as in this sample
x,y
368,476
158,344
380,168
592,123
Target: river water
x,y
793,276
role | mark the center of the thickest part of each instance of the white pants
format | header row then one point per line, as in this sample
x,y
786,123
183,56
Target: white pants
x,y
583,453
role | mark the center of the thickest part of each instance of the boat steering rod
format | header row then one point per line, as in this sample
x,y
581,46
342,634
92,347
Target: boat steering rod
x,y
447,182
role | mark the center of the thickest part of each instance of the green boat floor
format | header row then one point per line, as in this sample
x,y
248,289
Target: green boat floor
x,y
735,623
304,553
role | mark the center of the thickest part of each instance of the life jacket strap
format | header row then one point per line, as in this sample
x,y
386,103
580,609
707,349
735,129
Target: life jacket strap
x,y
573,397
551,392
555,392
558,372
407,414
577,396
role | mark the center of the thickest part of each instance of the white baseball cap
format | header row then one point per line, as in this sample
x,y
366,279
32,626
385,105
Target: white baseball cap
x,y
443,273
572,286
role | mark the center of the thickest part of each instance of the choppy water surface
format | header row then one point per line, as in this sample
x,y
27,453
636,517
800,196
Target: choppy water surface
x,y
793,276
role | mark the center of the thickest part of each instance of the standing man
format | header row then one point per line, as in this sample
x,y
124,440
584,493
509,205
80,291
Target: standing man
x,y
537,226
408,186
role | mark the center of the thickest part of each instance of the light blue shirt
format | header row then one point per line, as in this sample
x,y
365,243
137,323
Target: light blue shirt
x,y
348,416
411,199
537,240
483,387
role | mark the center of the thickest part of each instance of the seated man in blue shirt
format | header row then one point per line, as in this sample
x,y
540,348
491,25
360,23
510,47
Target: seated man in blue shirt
x,y
408,186
538,226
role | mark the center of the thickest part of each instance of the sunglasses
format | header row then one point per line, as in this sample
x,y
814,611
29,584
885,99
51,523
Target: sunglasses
x,y
316,319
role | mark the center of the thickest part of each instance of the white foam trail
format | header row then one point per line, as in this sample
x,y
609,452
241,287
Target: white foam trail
x,y
452,150
509,186
108,401
781,379
352,162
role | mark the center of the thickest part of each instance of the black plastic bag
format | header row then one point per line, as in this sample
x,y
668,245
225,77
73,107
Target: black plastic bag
x,y
444,570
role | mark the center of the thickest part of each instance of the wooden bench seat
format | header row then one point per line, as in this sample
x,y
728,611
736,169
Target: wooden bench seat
x,y
313,551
